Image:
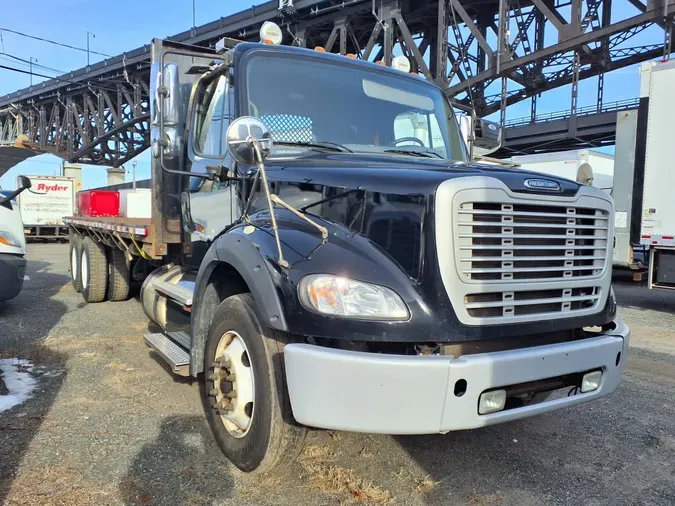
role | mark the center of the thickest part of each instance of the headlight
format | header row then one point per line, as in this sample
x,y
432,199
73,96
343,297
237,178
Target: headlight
x,y
9,240
338,296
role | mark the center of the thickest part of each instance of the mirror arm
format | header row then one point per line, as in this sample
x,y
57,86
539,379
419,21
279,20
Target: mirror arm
x,y
6,202
273,218
209,177
249,201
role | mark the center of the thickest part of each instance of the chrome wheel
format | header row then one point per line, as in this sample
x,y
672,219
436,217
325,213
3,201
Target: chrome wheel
x,y
233,384
84,266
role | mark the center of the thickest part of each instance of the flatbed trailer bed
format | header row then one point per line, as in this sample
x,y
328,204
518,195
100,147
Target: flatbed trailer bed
x,y
133,235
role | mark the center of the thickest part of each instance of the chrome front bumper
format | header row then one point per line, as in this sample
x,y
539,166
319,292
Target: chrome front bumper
x,y
397,394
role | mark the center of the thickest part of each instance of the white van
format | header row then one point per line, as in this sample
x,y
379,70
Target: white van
x,y
12,243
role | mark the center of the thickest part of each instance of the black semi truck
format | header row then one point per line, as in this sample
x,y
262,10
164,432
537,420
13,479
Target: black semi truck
x,y
322,252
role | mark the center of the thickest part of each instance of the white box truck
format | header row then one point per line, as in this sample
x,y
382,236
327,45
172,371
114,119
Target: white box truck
x,y
582,165
44,206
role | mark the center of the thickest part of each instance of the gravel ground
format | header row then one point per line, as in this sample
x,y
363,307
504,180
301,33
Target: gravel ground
x,y
108,424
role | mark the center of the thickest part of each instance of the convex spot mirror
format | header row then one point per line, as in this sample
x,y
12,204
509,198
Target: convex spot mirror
x,y
240,136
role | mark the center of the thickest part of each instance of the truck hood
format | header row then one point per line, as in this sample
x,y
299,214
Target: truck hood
x,y
397,174
387,198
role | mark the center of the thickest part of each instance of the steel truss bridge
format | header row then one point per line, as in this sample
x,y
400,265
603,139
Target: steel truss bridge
x,y
486,54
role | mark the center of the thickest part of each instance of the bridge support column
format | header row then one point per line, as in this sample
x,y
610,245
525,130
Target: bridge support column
x,y
74,171
116,175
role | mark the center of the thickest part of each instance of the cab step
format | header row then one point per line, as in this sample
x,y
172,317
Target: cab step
x,y
175,292
172,353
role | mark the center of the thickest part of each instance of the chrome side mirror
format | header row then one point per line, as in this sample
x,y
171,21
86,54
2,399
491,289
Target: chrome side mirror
x,y
240,136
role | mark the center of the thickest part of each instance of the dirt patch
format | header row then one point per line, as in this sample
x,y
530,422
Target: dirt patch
x,y
485,500
425,485
346,483
57,486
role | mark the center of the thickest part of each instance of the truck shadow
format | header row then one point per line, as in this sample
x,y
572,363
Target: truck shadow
x,y
636,295
566,457
24,322
182,465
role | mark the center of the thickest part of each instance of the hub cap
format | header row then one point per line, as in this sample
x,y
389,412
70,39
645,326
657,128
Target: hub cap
x,y
85,270
73,264
233,385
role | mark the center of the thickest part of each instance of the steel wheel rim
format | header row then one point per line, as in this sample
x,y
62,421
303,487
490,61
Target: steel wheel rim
x,y
233,384
85,270
73,264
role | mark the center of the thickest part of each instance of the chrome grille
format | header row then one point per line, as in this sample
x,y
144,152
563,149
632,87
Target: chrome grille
x,y
506,242
511,257
505,304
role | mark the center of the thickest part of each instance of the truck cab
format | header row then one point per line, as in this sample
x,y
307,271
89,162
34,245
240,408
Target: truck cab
x,y
326,255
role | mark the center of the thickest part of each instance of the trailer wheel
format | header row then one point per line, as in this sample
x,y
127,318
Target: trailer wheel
x,y
94,271
246,401
119,277
75,257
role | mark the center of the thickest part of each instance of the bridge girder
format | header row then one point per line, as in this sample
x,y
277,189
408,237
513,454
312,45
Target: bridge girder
x,y
99,114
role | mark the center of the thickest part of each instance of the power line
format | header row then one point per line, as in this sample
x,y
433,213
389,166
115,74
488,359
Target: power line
x,y
34,64
53,42
93,85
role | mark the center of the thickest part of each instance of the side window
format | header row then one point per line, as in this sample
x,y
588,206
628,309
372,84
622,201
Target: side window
x,y
212,119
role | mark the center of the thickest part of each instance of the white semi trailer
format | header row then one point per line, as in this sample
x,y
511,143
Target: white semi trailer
x,y
645,208
582,165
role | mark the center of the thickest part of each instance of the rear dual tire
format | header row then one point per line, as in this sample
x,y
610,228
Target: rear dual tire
x,y
75,258
93,271
119,275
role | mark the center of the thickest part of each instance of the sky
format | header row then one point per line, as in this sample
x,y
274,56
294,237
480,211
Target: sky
x,y
127,24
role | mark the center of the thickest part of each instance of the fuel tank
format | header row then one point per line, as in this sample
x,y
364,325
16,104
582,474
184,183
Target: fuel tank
x,y
160,306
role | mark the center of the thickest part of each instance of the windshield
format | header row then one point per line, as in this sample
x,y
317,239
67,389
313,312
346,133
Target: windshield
x,y
304,100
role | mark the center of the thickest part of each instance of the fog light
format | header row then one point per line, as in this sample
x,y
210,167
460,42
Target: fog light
x,y
591,381
490,402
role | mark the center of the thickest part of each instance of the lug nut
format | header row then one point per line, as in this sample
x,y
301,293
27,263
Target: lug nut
x,y
223,404
214,392
232,395
214,376
222,361
230,377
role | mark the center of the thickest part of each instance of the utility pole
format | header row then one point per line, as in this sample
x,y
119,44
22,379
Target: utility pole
x,y
30,65
194,17
93,36
134,174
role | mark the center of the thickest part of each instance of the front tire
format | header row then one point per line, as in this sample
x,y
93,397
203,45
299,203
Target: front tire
x,y
247,401
94,271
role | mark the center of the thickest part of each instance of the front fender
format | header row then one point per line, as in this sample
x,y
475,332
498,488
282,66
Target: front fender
x,y
238,250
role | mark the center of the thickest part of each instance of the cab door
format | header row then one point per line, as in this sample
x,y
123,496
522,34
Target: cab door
x,y
212,203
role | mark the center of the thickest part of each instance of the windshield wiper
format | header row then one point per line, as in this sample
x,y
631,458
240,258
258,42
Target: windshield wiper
x,y
414,152
332,146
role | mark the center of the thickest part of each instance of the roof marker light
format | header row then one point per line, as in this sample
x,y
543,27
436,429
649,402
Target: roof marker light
x,y
270,33
401,63
320,49
350,55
